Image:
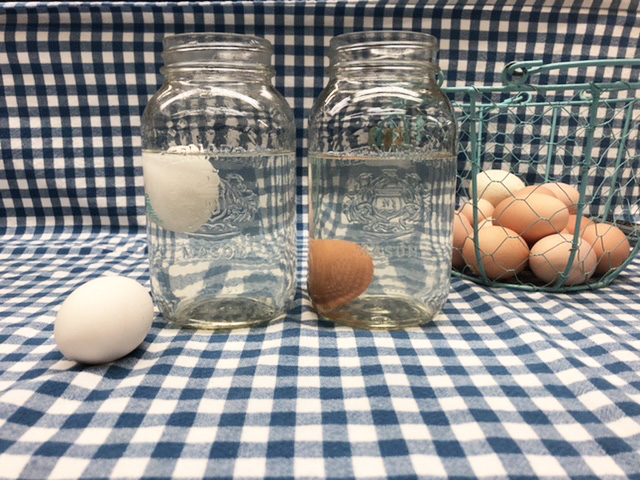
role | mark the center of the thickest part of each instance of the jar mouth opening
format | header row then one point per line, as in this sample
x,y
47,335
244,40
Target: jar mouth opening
x,y
186,49
186,41
379,47
383,37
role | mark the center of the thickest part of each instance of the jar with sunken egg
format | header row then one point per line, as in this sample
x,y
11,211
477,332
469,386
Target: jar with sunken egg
x,y
218,143
382,174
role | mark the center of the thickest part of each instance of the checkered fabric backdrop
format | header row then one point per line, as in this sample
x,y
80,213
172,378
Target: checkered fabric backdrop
x,y
503,383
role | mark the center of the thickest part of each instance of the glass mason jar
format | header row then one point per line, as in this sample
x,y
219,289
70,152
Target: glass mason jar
x,y
382,173
218,154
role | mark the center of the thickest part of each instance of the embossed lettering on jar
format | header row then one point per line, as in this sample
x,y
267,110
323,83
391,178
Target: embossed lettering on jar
x,y
219,173
382,156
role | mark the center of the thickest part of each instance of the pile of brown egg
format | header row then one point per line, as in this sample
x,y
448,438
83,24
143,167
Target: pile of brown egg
x,y
533,227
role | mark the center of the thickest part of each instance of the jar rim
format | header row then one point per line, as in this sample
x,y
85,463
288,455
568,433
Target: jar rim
x,y
216,50
368,38
383,48
205,40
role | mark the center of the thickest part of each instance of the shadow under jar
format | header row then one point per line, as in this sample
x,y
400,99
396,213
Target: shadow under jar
x,y
218,145
382,173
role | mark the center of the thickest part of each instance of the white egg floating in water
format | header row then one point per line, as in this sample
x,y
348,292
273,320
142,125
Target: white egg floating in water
x,y
182,188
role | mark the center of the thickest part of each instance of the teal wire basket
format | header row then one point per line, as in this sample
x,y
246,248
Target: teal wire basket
x,y
585,134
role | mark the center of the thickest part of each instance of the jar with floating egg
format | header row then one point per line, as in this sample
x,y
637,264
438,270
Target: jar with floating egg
x,y
218,144
382,173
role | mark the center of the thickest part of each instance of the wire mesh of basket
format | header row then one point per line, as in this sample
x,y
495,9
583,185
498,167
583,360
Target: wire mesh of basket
x,y
582,134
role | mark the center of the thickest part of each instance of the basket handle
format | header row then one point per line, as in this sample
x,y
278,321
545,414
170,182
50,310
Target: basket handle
x,y
518,73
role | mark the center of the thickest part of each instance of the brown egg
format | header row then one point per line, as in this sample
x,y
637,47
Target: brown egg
x,y
487,222
485,209
534,189
339,272
533,216
550,257
461,231
496,185
571,224
566,194
503,253
610,244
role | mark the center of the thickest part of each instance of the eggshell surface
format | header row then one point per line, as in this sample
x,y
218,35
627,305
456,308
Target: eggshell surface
x,y
571,224
534,189
339,272
566,194
485,209
550,258
182,189
503,253
103,320
496,185
532,215
488,222
610,244
461,231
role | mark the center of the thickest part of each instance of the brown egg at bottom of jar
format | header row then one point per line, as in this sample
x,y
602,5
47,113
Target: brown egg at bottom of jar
x,y
339,272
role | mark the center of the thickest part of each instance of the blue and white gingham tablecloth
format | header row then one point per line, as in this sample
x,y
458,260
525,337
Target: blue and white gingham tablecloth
x,y
503,383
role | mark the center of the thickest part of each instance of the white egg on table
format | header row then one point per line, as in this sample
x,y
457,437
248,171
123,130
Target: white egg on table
x,y
182,189
103,320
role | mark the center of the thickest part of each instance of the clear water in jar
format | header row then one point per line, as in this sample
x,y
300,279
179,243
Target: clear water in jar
x,y
399,209
222,236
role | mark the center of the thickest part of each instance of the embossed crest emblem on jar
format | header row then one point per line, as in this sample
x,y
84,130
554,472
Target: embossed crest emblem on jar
x,y
387,205
382,169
